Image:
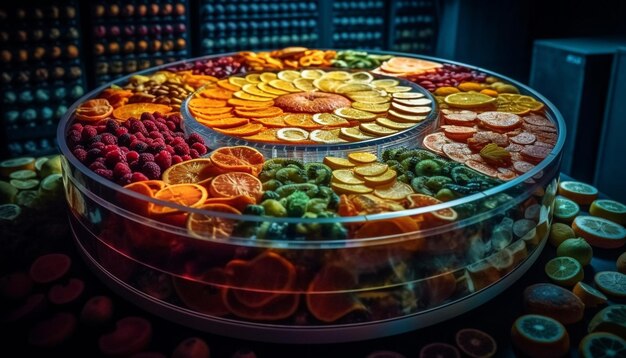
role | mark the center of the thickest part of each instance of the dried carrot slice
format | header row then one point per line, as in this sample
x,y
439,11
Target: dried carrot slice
x,y
244,130
266,112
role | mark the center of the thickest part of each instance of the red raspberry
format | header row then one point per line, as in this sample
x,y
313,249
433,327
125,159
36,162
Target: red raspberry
x,y
121,169
106,173
163,159
181,149
186,157
174,118
195,138
145,158
120,131
138,127
176,159
97,145
92,154
157,115
80,154
155,134
101,128
193,153
125,180
200,148
150,126
171,125
76,127
176,141
137,176
110,148
147,116
151,170
138,146
74,136
113,157
132,156
112,125
88,132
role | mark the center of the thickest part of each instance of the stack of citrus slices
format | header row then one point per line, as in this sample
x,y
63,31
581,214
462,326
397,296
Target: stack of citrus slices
x,y
287,106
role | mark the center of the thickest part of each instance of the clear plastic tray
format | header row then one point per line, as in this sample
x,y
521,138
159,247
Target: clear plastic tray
x,y
315,290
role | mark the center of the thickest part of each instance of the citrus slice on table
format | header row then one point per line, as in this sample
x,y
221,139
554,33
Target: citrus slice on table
x,y
190,172
395,191
10,165
326,136
600,232
540,336
351,113
235,183
589,295
25,184
292,134
330,120
439,350
468,100
564,270
602,345
321,299
353,134
581,193
565,210
610,319
576,248
371,107
609,209
476,343
191,195
338,163
560,232
239,158
211,227
612,283
94,110
9,212
135,110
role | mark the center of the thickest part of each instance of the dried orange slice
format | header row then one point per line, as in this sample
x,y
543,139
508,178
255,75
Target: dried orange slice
x,y
518,104
250,97
395,191
191,195
276,122
210,117
329,307
240,158
135,110
371,107
211,227
217,93
200,102
225,84
237,81
376,129
259,113
210,111
267,76
362,158
267,136
236,183
338,163
238,202
381,228
252,89
301,120
247,103
191,171
228,122
94,110
341,188
137,206
253,78
244,130
288,75
329,120
371,170
421,200
385,178
304,84
346,176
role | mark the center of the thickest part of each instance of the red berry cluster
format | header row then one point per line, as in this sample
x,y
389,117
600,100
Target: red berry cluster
x,y
135,150
448,76
216,67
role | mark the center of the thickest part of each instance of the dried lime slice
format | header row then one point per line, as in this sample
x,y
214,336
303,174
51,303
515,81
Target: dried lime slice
x,y
9,212
292,134
338,75
23,174
328,119
25,184
351,113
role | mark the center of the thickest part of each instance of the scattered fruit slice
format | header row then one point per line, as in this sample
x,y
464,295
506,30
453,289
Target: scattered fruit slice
x,y
312,74
600,232
23,174
250,97
10,165
284,85
252,89
64,294
25,184
131,335
560,232
94,110
304,84
610,319
288,75
192,195
223,122
353,87
211,227
468,100
236,183
338,75
518,104
565,210
326,136
373,99
210,111
399,126
476,343
265,87
589,295
422,200
500,121
190,172
328,119
237,81
201,102
395,191
353,134
227,85
554,302
340,188
576,248
612,283
439,350
338,163
346,176
581,193
414,102
435,142
292,134
351,113
564,271
371,107
253,78
540,336
602,345
9,212
610,210
239,158
459,152
268,76
134,110
258,113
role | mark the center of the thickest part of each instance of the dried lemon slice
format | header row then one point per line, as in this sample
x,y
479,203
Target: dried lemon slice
x,y
284,85
407,95
414,102
362,157
328,119
254,90
237,81
518,104
340,188
384,83
326,84
338,163
292,134
253,78
312,74
304,84
338,75
288,75
353,87
395,191
371,107
397,89
326,136
353,134
370,99
384,179
351,113
268,76
468,100
250,97
371,170
263,86
346,176
402,117
386,122
376,129
421,110
362,77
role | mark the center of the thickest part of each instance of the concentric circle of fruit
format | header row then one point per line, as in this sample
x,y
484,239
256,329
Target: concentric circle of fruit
x,y
439,350
609,209
600,232
612,283
476,343
602,345
240,158
565,210
576,248
540,336
468,100
610,319
581,193
191,195
93,110
621,263
589,295
560,232
236,183
564,270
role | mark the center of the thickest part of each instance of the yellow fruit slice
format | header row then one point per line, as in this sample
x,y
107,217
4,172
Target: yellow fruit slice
x,y
560,232
362,77
406,118
384,83
326,84
353,87
371,107
612,283
312,74
250,97
288,75
338,75
407,95
304,84
284,85
581,193
329,120
346,176
610,210
376,129
468,100
600,232
372,93
371,170
253,78
395,191
370,99
386,122
338,163
362,158
398,89
237,81
565,210
414,102
589,295
340,188
351,113
326,136
564,271
353,134
384,179
255,91
301,120
263,86
268,76
411,110
292,134
518,104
